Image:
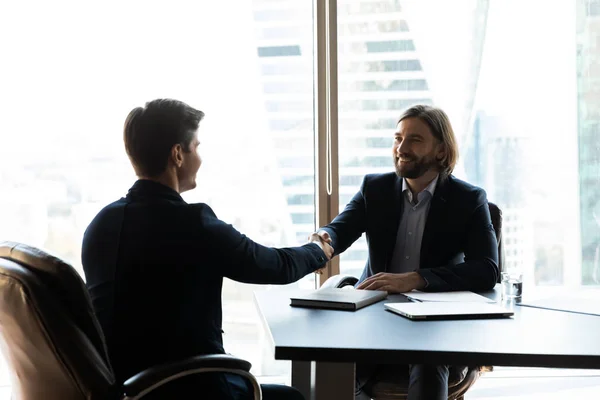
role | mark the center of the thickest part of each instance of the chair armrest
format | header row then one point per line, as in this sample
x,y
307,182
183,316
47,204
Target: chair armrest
x,y
339,281
146,381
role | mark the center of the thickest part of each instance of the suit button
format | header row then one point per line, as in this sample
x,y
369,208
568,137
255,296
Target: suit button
x,y
321,259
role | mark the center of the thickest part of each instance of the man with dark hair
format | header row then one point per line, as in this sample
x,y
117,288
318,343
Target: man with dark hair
x,y
154,264
150,132
425,229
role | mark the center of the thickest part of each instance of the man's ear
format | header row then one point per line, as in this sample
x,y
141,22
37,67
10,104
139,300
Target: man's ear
x,y
441,152
177,155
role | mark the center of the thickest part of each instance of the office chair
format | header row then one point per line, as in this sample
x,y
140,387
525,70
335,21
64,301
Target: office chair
x,y
461,378
54,345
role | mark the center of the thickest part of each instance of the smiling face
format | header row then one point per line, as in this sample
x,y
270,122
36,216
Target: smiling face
x,y
415,149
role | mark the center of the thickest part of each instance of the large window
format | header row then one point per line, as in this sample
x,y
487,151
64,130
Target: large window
x,y
73,70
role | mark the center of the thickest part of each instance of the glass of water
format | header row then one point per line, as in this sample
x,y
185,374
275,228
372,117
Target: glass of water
x,y
512,285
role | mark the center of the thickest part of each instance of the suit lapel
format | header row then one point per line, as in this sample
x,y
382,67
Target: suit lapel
x,y
392,223
436,216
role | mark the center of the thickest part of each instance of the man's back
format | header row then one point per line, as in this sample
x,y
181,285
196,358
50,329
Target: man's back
x,y
159,299
154,266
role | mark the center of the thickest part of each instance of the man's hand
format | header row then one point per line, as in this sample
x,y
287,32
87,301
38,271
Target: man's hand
x,y
324,236
393,283
323,243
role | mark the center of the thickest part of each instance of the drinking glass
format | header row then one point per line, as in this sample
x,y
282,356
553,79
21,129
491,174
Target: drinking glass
x,y
512,285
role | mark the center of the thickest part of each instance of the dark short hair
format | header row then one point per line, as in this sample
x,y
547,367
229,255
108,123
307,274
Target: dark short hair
x,y
150,132
441,128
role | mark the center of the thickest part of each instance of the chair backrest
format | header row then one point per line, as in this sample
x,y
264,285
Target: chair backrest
x,y
49,334
496,215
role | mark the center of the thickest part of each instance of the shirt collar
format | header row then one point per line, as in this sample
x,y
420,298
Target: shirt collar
x,y
430,188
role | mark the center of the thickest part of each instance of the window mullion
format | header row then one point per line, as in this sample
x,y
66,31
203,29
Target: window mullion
x,y
326,120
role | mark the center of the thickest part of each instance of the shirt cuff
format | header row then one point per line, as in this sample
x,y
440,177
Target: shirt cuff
x,y
321,257
426,281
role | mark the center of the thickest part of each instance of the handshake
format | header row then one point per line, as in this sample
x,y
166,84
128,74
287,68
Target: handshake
x,y
323,240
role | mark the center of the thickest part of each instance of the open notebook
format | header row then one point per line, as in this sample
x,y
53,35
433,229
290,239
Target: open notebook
x,y
338,299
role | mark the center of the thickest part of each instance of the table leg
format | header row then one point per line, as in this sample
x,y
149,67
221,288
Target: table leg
x,y
302,377
333,381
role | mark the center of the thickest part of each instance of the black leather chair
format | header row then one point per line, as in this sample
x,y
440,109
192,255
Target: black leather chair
x,y
389,386
54,345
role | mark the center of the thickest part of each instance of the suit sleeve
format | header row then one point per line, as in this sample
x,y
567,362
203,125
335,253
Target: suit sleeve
x,y
244,260
479,271
348,226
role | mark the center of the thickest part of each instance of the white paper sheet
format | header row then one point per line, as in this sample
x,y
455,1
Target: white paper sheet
x,y
463,296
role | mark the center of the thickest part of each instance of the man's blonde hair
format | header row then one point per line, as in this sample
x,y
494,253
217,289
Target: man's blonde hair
x,y
439,124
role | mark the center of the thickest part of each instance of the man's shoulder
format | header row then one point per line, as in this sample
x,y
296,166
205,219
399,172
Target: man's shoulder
x,y
192,212
111,209
462,189
105,221
464,186
200,210
195,214
382,179
379,185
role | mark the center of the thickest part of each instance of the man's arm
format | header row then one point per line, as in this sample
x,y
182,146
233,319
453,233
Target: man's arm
x,y
479,271
244,260
348,226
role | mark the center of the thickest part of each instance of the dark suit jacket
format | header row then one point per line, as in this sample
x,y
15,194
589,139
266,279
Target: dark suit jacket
x,y
459,249
154,266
